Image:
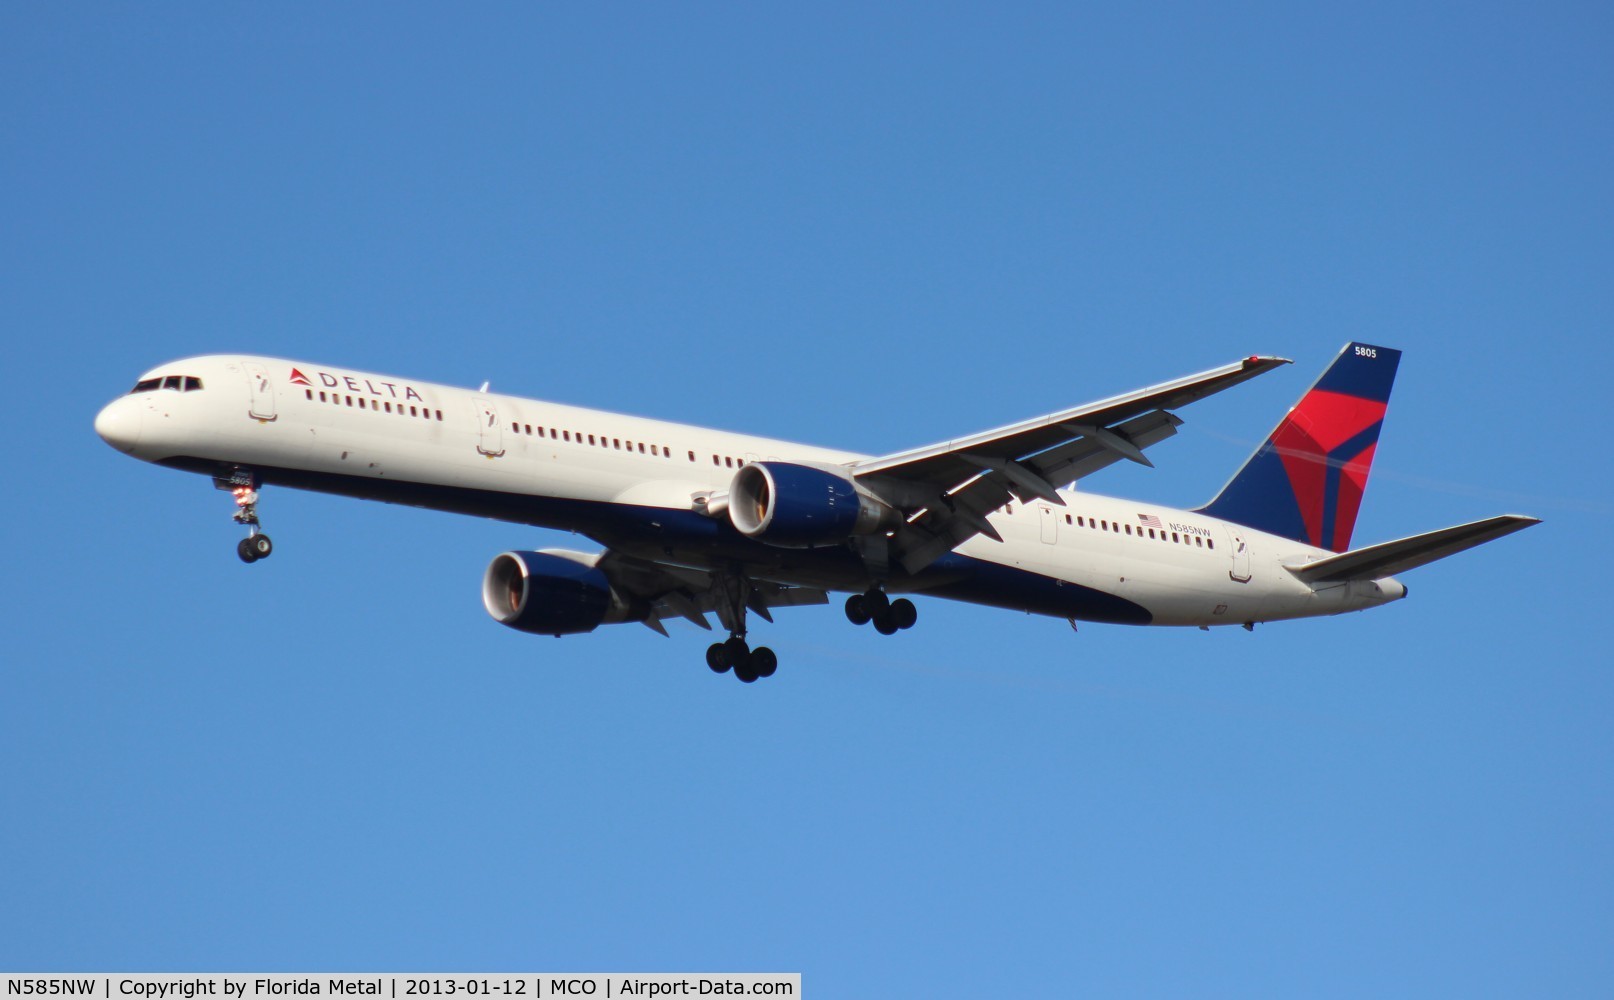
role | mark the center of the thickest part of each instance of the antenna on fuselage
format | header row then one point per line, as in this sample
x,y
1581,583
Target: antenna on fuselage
x,y
484,387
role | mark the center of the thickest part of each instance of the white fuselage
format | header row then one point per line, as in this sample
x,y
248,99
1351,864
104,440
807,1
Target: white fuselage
x,y
640,486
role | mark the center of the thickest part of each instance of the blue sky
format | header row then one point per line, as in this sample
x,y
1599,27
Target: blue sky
x,y
866,228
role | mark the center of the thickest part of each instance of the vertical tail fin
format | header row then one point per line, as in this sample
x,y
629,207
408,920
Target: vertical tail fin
x,y
1306,480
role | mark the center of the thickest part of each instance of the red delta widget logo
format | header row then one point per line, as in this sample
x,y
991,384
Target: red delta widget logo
x,y
383,390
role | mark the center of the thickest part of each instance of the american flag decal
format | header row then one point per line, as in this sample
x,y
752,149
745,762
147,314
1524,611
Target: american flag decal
x,y
1150,521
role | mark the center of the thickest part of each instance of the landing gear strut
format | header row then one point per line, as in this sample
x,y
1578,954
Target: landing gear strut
x,y
257,544
888,616
735,653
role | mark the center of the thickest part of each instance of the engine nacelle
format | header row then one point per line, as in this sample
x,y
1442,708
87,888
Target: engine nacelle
x,y
802,506
554,592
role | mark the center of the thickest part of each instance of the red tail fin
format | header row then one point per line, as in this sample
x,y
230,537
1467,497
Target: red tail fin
x,y
1307,479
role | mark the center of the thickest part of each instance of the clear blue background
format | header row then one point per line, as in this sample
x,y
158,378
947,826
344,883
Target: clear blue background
x,y
867,227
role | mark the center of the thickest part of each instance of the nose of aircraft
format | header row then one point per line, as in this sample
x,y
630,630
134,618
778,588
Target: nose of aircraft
x,y
118,423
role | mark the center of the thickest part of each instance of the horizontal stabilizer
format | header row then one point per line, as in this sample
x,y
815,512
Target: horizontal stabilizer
x,y
1387,558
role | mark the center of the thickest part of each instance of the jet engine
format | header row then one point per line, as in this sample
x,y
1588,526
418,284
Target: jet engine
x,y
554,592
803,506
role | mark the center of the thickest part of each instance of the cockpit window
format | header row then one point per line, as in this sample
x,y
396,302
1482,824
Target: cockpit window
x,y
178,383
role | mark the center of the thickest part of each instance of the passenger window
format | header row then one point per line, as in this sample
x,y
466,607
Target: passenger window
x,y
1129,529
1210,543
309,393
728,461
1174,536
1199,543
439,415
386,407
616,443
349,400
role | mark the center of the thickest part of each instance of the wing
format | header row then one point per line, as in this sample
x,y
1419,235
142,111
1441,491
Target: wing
x,y
947,489
680,592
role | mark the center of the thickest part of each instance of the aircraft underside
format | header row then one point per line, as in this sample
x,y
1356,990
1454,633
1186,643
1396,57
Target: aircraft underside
x,y
691,539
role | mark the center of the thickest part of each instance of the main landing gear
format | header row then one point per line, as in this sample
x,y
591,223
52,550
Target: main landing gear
x,y
748,664
257,544
737,596
888,616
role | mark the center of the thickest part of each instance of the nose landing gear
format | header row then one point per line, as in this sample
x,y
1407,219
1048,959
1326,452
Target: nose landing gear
x,y
257,544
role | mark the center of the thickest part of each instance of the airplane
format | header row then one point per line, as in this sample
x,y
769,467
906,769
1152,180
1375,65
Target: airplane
x,y
694,521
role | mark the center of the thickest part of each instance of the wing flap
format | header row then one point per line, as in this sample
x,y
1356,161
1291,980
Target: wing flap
x,y
681,592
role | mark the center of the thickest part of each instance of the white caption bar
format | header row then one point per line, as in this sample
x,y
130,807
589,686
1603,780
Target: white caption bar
x,y
398,985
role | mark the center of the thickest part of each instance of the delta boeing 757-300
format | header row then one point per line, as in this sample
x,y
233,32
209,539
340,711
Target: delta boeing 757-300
x,y
695,522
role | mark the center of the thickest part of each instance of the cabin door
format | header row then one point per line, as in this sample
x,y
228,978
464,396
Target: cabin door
x,y
490,433
263,392
1241,559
